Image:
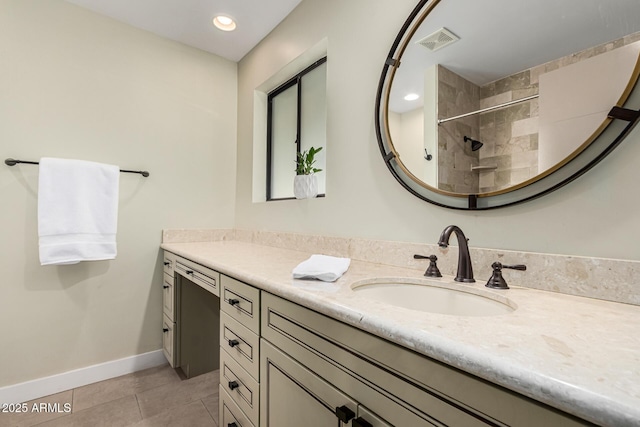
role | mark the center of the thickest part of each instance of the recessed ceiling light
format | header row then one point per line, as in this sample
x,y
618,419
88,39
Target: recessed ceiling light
x,y
224,23
411,97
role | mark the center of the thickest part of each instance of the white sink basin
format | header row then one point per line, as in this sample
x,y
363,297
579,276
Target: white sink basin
x,y
435,297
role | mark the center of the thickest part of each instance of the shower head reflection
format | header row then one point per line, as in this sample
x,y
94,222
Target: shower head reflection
x,y
475,144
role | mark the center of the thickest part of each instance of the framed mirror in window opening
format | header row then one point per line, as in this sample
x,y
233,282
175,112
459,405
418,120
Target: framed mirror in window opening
x,y
296,121
506,102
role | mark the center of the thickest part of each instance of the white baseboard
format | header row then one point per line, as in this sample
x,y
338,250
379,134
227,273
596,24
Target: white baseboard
x,y
41,387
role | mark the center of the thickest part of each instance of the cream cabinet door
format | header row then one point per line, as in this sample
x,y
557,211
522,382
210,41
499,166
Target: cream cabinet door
x,y
292,396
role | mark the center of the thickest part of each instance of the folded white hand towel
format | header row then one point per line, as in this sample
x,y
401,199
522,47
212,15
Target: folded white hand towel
x,y
322,267
77,211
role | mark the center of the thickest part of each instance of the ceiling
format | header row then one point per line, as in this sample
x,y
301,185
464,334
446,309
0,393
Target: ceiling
x,y
190,21
497,37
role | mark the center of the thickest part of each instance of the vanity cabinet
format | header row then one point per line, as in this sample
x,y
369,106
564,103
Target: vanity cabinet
x,y
285,365
168,309
313,364
239,353
191,312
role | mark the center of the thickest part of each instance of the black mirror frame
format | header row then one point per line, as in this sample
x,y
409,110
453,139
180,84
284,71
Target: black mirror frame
x,y
622,119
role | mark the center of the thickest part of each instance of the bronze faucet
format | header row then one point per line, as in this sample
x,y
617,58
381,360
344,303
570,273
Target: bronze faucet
x,y
465,269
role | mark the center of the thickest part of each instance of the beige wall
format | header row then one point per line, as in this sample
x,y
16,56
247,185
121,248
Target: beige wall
x,y
593,216
78,85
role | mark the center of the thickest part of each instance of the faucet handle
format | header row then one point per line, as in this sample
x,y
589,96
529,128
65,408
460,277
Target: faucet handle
x,y
496,281
520,267
433,270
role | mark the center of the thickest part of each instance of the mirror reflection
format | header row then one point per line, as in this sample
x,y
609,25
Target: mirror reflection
x,y
492,94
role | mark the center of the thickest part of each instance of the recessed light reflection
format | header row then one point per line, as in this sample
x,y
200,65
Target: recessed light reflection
x,y
224,23
411,97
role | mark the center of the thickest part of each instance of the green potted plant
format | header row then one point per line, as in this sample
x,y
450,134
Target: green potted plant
x,y
305,183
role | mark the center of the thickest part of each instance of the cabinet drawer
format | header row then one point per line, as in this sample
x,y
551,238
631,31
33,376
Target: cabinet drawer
x,y
168,297
169,263
241,302
168,340
242,388
230,413
200,275
241,344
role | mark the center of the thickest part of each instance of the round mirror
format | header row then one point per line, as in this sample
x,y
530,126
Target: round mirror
x,y
484,104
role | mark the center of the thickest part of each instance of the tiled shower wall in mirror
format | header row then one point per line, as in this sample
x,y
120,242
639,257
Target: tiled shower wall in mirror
x,y
510,135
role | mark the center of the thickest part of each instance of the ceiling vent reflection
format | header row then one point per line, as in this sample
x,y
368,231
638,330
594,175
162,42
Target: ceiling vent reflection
x,y
438,40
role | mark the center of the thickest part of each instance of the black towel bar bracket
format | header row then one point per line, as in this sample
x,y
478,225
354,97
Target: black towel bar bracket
x,y
13,162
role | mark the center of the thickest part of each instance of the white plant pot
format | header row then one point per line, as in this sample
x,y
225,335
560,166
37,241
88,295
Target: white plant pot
x,y
305,186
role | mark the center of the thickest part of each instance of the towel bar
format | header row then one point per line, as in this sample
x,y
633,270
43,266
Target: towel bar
x,y
13,162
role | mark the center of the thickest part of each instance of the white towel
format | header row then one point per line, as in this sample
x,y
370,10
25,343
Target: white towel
x,y
322,267
77,211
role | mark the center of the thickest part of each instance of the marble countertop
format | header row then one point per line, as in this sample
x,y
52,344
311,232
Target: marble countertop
x,y
576,354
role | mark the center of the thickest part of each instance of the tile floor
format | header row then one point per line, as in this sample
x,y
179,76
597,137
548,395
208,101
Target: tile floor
x,y
156,397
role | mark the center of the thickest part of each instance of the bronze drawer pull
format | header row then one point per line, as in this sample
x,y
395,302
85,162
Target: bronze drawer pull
x,y
345,414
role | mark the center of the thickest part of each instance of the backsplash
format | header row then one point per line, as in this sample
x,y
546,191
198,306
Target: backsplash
x,y
601,278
